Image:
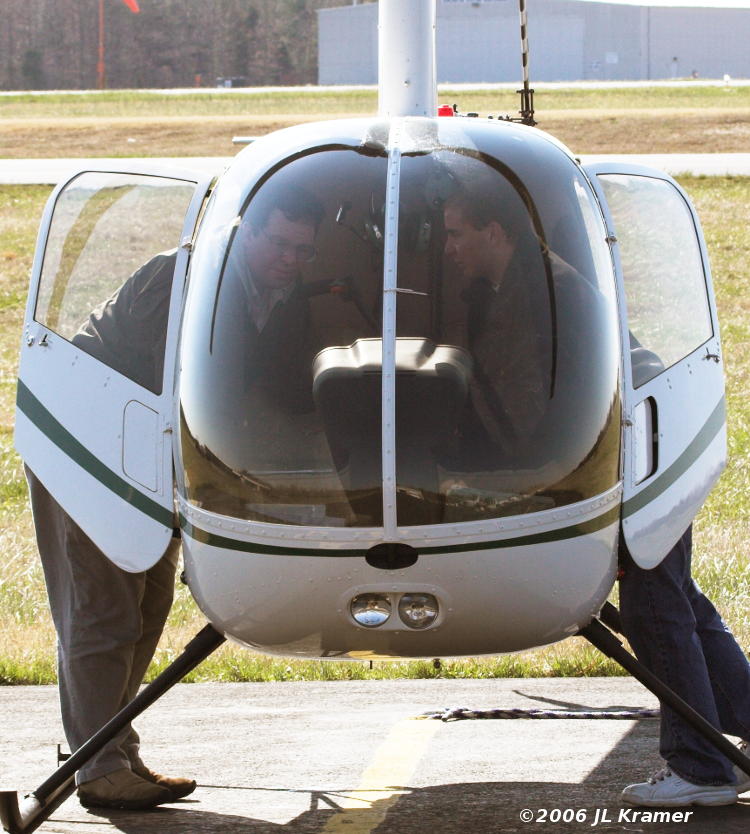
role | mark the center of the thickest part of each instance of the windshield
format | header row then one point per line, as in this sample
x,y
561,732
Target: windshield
x,y
301,273
504,395
504,254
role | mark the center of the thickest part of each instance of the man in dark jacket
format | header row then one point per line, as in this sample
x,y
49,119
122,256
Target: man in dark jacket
x,y
508,320
108,620
263,311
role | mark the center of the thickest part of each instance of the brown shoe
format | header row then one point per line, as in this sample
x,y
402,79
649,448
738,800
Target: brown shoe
x,y
176,784
123,789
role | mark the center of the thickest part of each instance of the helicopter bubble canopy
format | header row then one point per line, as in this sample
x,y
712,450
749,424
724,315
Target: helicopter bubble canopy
x,y
410,323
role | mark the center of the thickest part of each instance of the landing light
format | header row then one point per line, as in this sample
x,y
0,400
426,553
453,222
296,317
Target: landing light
x,y
418,610
371,610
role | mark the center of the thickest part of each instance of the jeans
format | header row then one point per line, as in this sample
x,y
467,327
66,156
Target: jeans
x,y
679,636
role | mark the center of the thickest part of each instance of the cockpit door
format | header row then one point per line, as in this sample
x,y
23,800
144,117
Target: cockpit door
x,y
95,389
675,424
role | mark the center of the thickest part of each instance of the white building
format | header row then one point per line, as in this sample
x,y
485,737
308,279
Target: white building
x,y
479,41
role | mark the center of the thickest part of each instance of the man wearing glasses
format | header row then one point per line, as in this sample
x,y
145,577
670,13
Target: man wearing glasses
x,y
273,239
262,306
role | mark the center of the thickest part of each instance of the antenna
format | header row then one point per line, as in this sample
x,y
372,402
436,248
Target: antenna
x,y
527,94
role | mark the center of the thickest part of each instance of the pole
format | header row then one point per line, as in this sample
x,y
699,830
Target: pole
x,y
527,94
37,807
406,58
100,76
608,644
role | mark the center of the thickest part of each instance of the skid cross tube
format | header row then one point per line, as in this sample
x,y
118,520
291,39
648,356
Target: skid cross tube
x,y
37,807
603,639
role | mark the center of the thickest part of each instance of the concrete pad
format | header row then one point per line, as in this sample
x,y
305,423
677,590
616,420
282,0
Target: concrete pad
x,y
53,171
349,757
676,164
317,89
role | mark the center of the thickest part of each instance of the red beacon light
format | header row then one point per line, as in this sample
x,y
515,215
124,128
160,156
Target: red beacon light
x,y
445,110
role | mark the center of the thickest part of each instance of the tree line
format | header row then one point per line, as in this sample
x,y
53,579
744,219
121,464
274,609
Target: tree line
x,y
54,44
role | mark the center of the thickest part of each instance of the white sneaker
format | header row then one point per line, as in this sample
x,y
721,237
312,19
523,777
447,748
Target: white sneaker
x,y
743,780
668,790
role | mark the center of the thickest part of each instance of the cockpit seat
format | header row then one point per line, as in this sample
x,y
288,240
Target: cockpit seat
x,y
432,384
645,364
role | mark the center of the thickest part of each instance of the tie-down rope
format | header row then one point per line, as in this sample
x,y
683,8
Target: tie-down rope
x,y
462,713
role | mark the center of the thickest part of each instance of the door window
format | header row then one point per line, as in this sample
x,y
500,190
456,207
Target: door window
x,y
665,286
108,267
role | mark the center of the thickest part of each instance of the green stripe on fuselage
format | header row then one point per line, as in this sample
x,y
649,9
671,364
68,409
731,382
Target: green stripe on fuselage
x,y
64,440
76,451
695,449
611,516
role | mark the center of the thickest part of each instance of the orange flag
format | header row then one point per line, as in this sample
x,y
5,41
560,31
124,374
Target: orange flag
x,y
132,5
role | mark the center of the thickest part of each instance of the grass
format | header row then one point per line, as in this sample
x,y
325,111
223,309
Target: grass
x,y
141,123
233,665
318,101
722,540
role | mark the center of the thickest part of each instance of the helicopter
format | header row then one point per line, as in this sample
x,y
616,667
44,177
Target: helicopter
x,y
363,496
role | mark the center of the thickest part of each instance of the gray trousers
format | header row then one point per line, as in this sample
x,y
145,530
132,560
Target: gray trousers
x,y
108,623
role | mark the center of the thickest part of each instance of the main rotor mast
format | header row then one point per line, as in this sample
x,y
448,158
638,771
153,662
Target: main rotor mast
x,y
407,83
407,77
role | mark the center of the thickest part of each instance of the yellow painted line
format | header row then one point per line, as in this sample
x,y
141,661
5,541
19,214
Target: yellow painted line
x,y
368,655
384,781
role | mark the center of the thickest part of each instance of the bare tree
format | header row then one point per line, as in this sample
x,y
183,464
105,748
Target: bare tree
x,y
53,44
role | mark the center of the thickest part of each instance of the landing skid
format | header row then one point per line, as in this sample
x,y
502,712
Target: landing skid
x,y
35,808
603,639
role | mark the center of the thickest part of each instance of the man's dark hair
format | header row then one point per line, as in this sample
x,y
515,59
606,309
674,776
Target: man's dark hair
x,y
487,198
295,203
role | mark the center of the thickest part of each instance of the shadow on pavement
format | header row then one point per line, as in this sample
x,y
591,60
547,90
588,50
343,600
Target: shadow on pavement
x,y
446,809
496,807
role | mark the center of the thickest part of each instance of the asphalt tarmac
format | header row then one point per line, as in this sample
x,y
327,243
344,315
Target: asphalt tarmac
x,y
352,758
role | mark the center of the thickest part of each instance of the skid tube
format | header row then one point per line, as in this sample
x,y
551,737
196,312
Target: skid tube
x,y
603,639
35,808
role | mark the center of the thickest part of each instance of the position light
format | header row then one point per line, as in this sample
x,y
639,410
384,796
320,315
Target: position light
x,y
418,610
371,610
